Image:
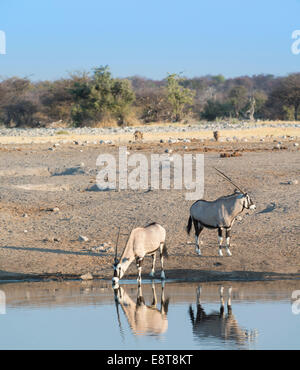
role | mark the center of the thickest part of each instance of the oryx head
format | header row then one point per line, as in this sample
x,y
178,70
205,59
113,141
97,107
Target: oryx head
x,y
119,265
247,201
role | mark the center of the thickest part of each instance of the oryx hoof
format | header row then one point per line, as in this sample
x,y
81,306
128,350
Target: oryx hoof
x,y
198,251
220,253
162,275
151,274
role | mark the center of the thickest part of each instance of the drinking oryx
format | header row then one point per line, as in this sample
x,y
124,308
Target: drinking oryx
x,y
142,241
143,319
218,324
218,214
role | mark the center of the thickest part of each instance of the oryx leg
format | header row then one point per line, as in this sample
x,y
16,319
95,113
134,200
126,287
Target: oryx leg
x,y
221,290
198,295
229,310
198,229
161,247
164,303
200,311
139,261
228,241
154,301
140,299
153,264
220,239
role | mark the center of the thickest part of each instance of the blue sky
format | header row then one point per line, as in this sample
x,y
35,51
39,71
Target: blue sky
x,y
47,39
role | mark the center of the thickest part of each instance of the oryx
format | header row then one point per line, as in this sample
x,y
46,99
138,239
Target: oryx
x,y
143,319
218,214
142,241
219,325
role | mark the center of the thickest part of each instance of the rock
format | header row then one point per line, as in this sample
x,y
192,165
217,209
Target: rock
x,y
102,248
293,182
54,209
296,144
168,151
24,215
87,276
82,238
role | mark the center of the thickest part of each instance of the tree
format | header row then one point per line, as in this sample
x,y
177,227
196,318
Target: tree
x,y
238,98
287,94
216,109
16,106
56,99
21,113
102,97
179,97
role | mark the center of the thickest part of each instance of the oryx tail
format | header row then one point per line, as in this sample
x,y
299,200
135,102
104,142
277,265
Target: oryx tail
x,y
189,225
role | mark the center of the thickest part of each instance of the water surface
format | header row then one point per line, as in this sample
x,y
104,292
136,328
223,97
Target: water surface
x,y
91,315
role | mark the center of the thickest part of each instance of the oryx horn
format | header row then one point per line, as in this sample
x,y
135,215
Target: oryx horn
x,y
229,180
116,254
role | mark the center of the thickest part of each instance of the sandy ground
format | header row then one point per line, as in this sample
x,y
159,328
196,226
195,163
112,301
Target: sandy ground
x,y
36,241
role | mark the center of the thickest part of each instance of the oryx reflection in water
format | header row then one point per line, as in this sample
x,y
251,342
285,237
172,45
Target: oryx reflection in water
x,y
143,319
219,325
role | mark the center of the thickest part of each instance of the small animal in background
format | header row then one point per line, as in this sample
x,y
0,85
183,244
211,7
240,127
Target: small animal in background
x,y
138,135
216,135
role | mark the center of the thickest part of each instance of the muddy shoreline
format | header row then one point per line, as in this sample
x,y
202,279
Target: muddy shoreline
x,y
184,276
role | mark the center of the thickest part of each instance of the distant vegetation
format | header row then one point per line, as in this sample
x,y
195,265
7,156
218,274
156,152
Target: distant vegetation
x,y
98,99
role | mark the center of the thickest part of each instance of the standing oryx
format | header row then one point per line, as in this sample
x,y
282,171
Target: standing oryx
x,y
142,241
218,214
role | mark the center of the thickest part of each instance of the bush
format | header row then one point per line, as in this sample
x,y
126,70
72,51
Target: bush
x,y
101,98
216,109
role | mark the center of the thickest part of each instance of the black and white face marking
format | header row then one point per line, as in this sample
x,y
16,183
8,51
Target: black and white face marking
x,y
248,202
117,272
